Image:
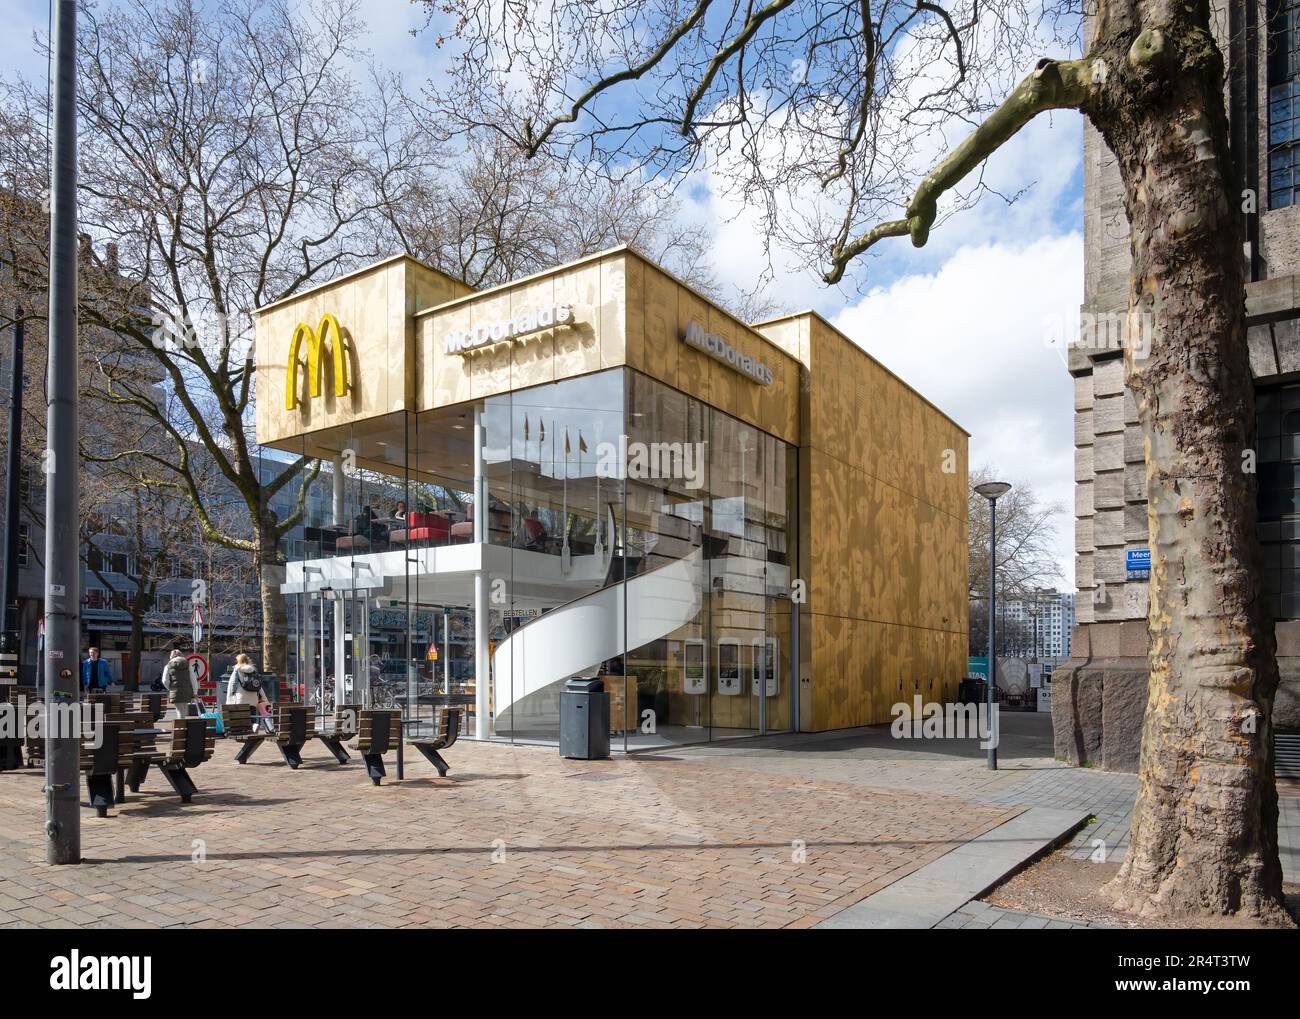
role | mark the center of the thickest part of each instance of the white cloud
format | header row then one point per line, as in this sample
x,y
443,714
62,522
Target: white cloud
x,y
971,337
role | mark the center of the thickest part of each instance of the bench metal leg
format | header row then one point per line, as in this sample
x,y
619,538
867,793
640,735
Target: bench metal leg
x,y
291,753
247,750
180,780
100,788
119,795
375,767
139,772
11,755
335,746
434,758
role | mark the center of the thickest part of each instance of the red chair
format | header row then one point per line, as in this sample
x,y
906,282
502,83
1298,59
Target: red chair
x,y
422,528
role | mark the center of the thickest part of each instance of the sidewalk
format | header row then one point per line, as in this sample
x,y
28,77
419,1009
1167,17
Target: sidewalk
x,y
754,833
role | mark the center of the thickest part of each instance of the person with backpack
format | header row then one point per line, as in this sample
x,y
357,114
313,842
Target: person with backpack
x,y
179,683
245,685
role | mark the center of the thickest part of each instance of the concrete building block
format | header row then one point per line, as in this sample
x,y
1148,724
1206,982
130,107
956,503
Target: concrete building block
x,y
1108,490
1136,594
1136,525
1108,414
1273,296
1263,359
1103,639
1082,610
1123,705
1083,392
1083,573
1108,452
1083,428
1076,715
1133,638
1083,469
1287,632
1108,564
1286,341
1083,499
1109,606
1134,446
1130,407
1097,712
1108,528
1135,482
1083,534
1108,378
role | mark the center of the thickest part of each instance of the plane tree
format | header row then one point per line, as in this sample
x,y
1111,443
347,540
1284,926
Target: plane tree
x,y
845,123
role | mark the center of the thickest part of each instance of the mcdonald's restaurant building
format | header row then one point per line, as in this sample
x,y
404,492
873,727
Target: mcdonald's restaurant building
x,y
596,472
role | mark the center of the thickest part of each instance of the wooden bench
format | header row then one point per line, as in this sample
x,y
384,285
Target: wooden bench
x,y
11,747
144,750
378,732
346,720
295,726
103,762
192,743
446,730
152,702
240,723
112,702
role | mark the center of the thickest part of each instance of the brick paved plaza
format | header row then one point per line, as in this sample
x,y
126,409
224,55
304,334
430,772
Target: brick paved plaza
x,y
782,833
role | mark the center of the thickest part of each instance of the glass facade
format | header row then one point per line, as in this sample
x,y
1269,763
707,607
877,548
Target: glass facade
x,y
1278,413
604,526
1283,102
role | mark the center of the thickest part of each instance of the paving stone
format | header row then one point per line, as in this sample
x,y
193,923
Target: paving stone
x,y
703,836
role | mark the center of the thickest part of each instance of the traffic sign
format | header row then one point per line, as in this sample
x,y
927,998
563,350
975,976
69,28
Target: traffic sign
x,y
196,618
199,673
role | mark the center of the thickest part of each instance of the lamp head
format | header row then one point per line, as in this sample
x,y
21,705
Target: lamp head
x,y
992,490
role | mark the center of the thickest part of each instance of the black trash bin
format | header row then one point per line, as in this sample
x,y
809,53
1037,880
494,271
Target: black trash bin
x,y
584,720
973,691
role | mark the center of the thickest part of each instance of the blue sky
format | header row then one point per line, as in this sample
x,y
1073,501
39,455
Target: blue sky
x,y
965,320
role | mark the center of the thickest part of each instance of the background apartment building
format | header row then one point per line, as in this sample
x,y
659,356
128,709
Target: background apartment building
x,y
1100,699
1042,624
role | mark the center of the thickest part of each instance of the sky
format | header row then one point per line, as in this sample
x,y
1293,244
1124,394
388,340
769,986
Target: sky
x,y
965,320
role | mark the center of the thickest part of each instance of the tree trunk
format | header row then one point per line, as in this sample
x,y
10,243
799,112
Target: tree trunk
x,y
275,622
136,645
1204,836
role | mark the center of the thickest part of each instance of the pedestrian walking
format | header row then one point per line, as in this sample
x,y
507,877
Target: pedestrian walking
x,y
178,683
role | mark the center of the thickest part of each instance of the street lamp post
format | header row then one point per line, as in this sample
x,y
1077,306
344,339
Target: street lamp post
x,y
992,491
62,569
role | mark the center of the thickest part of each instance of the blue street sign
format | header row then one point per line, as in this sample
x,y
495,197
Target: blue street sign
x,y
1137,559
1137,564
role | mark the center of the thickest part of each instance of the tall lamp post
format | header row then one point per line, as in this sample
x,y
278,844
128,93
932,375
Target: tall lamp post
x,y
992,491
62,569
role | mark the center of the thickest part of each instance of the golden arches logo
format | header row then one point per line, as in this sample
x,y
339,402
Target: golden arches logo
x,y
315,339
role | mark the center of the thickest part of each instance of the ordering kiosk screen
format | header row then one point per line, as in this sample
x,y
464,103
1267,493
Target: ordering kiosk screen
x,y
695,668
729,666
